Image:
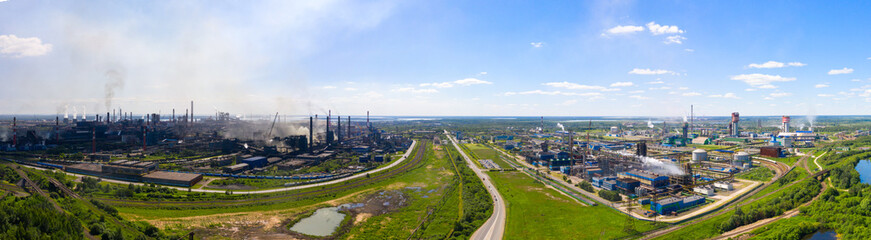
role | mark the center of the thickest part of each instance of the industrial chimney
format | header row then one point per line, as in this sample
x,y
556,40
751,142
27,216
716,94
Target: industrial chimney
x,y
785,121
311,137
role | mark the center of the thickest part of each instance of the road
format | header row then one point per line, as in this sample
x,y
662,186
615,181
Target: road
x,y
494,227
355,176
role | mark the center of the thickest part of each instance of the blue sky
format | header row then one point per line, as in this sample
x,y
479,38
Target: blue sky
x,y
508,58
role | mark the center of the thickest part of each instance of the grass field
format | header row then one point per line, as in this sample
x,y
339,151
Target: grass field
x,y
538,212
483,152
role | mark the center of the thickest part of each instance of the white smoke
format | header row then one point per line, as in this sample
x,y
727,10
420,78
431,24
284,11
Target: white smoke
x,y
649,123
84,113
560,125
75,113
660,167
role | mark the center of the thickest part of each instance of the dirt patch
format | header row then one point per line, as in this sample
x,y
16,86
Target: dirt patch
x,y
361,217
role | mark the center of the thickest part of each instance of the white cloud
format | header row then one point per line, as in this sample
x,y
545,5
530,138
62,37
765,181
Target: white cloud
x,y
689,50
780,94
575,86
569,102
482,73
821,85
656,82
840,71
751,89
825,95
660,88
683,88
775,64
554,93
415,90
638,97
657,29
536,44
329,87
471,81
624,29
678,39
373,94
350,89
767,86
855,80
769,64
761,80
462,82
648,71
636,92
690,94
13,46
727,95
622,84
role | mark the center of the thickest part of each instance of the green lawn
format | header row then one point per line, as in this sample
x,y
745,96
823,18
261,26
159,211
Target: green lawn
x,y
537,212
483,152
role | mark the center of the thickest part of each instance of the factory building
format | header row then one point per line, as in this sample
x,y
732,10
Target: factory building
x,y
647,179
774,152
85,168
127,167
236,168
675,205
255,162
627,185
172,178
555,164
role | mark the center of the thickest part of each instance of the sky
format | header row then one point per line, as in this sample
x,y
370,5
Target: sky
x,y
437,58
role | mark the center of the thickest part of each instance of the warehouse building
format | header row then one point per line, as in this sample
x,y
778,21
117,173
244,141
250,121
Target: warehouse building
x,y
85,168
627,185
646,178
172,178
675,205
127,167
255,162
236,168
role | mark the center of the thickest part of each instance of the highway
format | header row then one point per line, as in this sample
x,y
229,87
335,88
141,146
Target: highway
x,y
494,227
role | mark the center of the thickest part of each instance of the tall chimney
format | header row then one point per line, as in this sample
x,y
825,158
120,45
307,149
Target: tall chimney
x,y
349,126
14,131
339,128
120,114
311,137
56,126
173,115
192,111
93,142
329,135
113,114
367,119
186,119
107,117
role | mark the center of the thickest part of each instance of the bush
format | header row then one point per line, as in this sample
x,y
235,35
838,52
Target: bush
x,y
610,195
587,187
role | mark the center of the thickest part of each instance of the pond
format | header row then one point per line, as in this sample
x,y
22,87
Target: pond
x,y
864,169
322,223
823,235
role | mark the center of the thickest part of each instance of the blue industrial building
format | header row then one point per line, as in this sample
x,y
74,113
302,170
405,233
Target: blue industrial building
x,y
673,204
646,178
555,164
627,185
255,162
598,181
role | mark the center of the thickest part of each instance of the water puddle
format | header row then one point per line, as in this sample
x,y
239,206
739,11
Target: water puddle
x,y
322,223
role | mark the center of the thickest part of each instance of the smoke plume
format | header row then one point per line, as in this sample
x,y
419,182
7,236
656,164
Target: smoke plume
x,y
560,125
114,80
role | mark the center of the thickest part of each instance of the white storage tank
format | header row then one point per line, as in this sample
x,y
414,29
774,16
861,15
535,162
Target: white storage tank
x,y
699,155
741,158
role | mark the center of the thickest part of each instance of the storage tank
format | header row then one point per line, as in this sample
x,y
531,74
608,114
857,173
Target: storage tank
x,y
740,159
699,155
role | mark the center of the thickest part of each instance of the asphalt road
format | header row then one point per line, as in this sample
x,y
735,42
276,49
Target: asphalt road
x,y
494,227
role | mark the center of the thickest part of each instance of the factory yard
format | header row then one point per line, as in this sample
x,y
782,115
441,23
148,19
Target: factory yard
x,y
721,198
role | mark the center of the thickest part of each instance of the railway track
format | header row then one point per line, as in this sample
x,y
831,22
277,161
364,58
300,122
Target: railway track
x,y
327,190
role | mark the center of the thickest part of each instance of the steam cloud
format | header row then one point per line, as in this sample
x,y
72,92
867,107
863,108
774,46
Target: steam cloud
x,y
560,125
660,167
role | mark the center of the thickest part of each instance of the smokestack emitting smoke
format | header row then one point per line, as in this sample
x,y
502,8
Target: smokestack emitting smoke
x,y
367,119
192,111
56,124
311,126
173,115
560,125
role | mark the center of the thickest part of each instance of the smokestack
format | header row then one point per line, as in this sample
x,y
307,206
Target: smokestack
x,y
14,131
311,137
144,143
56,126
93,142
186,119
349,126
329,135
192,111
367,119
113,115
107,117
173,115
339,128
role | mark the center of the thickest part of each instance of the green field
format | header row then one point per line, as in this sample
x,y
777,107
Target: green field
x,y
538,212
481,151
762,174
